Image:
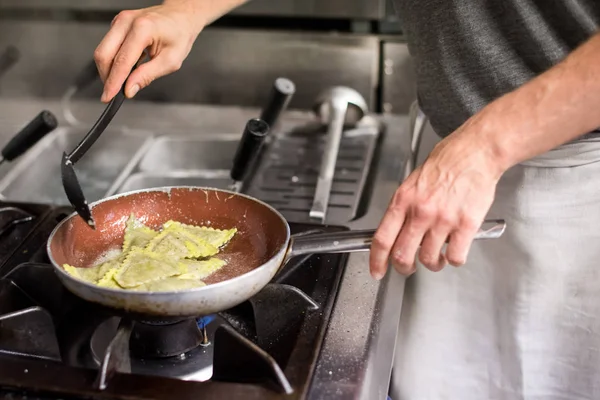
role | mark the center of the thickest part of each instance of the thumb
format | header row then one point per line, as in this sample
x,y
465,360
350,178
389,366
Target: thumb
x,y
163,64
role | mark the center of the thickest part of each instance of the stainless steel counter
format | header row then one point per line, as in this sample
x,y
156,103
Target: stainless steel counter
x,y
357,354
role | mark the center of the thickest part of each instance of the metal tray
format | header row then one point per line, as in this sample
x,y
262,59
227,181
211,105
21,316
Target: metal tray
x,y
190,160
285,176
196,153
216,179
36,176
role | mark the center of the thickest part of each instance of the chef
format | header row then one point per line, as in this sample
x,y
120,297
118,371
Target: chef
x,y
513,88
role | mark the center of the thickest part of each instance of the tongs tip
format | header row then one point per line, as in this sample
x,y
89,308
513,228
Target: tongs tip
x,y
74,192
91,223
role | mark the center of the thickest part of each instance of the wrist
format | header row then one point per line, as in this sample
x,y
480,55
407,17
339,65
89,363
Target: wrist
x,y
495,135
194,11
476,142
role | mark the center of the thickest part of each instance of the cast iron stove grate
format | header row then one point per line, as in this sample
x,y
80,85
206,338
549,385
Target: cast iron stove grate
x,y
54,345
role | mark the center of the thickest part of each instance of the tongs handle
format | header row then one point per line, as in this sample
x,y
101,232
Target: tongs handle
x,y
109,112
107,116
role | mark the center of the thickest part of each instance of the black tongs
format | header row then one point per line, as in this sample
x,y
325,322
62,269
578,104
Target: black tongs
x,y
69,178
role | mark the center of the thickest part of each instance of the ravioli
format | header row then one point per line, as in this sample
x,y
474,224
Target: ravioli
x,y
216,237
200,269
137,234
176,242
141,267
93,274
176,258
170,284
108,281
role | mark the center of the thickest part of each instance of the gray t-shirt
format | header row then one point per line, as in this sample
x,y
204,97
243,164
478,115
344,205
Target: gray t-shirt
x,y
470,52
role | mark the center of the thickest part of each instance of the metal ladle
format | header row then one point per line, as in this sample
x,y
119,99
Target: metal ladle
x,y
340,106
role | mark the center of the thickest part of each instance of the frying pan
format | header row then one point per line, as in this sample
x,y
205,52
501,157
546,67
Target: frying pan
x,y
261,246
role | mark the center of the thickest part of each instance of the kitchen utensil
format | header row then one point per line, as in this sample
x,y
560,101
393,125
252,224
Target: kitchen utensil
x,y
281,94
69,178
261,246
252,140
44,123
257,130
340,106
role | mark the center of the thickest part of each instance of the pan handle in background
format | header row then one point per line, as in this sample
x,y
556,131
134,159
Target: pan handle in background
x,y
87,76
249,147
352,241
281,94
44,123
256,132
8,59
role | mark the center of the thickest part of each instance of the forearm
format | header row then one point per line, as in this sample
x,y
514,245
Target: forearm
x,y
554,108
207,11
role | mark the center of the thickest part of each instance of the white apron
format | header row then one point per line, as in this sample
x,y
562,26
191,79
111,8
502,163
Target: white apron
x,y
521,320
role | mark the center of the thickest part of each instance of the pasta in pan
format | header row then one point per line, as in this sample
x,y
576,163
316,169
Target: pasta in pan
x,y
176,258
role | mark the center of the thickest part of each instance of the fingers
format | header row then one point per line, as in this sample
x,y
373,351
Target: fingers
x,y
109,46
163,64
405,249
137,39
430,254
385,236
422,225
460,243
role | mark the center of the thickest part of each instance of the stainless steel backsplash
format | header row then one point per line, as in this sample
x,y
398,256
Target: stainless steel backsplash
x,y
226,66
356,9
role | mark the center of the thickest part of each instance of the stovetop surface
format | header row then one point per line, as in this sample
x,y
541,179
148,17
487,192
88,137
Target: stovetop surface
x,y
53,344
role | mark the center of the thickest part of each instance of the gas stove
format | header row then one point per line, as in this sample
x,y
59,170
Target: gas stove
x,y
55,345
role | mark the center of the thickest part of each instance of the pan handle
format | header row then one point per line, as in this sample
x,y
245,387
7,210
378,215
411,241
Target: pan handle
x,y
249,148
281,94
352,241
44,123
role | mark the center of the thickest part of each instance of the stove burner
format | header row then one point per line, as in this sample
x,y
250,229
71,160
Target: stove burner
x,y
153,340
193,365
157,340
263,349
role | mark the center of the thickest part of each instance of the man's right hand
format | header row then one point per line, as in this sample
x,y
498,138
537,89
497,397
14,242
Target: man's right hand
x,y
168,32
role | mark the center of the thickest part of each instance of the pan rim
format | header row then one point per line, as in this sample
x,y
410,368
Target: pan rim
x,y
166,189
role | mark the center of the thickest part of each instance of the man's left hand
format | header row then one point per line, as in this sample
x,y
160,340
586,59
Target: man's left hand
x,y
444,200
